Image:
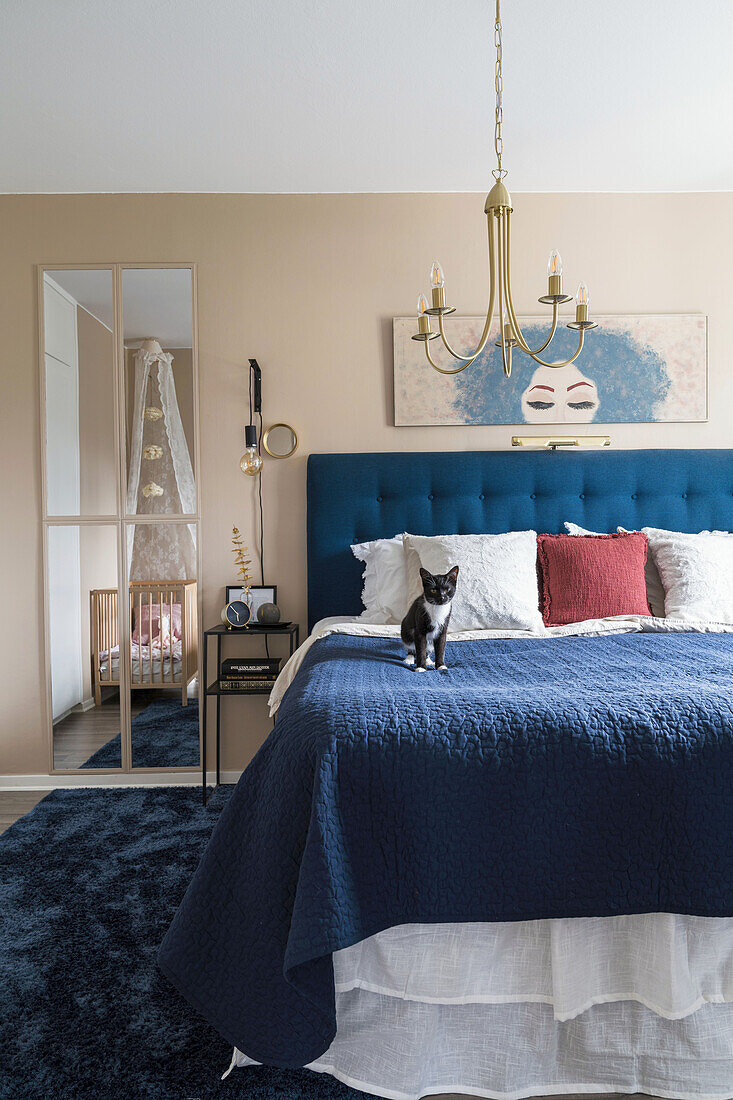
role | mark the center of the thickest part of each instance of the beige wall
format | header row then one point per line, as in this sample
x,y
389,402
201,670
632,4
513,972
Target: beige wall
x,y
308,285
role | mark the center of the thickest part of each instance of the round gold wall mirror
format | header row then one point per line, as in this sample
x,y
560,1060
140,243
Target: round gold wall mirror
x,y
280,441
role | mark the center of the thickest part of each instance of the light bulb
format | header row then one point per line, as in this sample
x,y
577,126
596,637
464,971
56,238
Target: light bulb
x,y
250,462
554,264
582,297
422,305
436,276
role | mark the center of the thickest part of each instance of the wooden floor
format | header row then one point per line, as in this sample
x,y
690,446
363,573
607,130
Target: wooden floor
x,y
13,804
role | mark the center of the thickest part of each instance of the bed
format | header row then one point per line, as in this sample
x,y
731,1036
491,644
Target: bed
x,y
163,637
514,879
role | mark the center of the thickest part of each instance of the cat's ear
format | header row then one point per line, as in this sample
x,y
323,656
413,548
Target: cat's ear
x,y
424,575
453,573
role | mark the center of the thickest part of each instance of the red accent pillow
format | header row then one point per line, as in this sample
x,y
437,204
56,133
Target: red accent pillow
x,y
592,576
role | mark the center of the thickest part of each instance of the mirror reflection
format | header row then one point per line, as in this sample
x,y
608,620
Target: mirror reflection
x,y
81,452
84,642
164,645
159,387
280,441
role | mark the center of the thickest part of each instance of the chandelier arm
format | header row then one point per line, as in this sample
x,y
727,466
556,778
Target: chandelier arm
x,y
521,339
506,360
444,370
490,312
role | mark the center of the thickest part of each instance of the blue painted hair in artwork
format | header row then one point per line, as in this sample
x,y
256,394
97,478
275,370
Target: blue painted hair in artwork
x,y
630,377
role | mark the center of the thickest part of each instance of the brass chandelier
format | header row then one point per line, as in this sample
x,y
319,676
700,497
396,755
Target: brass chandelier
x,y
498,210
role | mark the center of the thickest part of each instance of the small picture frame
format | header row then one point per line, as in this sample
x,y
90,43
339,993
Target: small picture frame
x,y
258,594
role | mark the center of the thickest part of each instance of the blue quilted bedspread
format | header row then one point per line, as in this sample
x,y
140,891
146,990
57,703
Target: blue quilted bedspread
x,y
535,778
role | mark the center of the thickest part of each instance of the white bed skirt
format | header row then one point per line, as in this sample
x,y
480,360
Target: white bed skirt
x,y
672,964
407,1050
537,1008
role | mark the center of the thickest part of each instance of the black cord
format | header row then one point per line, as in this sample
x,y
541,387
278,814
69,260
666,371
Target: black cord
x,y
262,524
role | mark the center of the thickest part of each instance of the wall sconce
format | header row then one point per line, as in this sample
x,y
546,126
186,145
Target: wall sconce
x,y
554,442
251,461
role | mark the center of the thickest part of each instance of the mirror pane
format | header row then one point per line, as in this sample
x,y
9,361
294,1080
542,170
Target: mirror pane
x,y
280,441
81,453
84,635
164,646
159,390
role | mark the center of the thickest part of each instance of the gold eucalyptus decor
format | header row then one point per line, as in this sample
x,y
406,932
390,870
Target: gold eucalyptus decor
x,y
242,563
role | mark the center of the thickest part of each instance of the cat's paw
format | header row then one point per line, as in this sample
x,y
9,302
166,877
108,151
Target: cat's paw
x,y
421,668
410,659
442,668
429,662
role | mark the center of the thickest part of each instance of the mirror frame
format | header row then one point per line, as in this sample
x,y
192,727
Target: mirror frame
x,y
265,437
119,519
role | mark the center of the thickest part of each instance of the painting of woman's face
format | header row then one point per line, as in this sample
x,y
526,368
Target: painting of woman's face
x,y
560,395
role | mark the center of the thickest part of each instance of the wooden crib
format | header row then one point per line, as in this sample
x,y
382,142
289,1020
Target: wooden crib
x,y
154,667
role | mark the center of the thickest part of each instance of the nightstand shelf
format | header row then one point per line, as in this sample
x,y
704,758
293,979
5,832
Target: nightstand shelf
x,y
291,631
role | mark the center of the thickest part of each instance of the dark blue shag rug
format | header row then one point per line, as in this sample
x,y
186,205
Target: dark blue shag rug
x,y
89,881
164,735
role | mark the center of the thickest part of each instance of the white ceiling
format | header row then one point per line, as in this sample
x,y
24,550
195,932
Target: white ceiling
x,y
155,302
348,95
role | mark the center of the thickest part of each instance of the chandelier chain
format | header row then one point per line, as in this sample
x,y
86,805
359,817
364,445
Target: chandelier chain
x,y
499,172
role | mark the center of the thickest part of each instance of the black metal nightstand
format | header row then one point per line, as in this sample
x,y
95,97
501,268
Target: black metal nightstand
x,y
291,631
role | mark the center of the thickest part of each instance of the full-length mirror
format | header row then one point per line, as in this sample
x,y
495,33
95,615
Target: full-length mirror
x,y
80,408
84,646
119,412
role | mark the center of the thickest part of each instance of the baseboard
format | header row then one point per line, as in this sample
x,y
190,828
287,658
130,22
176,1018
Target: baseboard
x,y
129,779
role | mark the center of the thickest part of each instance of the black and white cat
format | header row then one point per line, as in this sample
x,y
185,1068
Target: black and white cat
x,y
425,625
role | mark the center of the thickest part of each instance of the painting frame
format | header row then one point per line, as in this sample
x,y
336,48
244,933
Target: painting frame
x,y
258,595
650,368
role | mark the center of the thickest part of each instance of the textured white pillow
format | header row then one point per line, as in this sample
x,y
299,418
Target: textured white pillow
x,y
497,580
696,572
385,590
654,589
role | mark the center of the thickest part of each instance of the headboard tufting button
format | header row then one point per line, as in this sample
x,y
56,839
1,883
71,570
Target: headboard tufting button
x,y
684,496
431,496
482,496
533,496
379,500
581,496
634,496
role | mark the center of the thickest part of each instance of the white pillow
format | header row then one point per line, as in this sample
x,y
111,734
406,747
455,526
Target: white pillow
x,y
497,579
696,572
654,589
385,590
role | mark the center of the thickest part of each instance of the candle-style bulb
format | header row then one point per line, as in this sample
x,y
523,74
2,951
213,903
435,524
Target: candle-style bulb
x,y
436,276
554,264
422,305
582,297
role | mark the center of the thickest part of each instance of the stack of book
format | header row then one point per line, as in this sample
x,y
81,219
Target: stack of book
x,y
248,673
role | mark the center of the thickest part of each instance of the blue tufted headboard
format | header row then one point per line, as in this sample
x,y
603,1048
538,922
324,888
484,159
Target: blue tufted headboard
x,y
359,497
